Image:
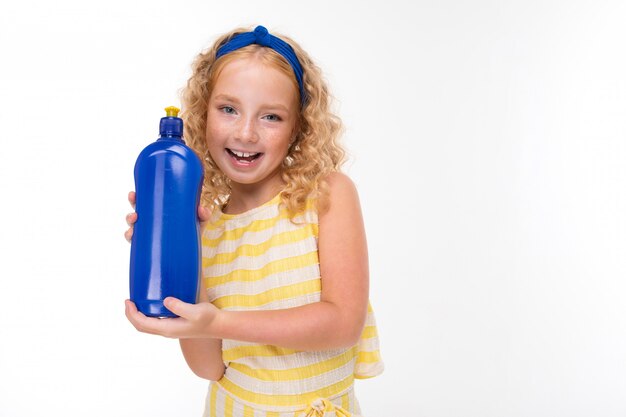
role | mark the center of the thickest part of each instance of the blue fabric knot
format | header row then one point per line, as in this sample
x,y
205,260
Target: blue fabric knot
x,y
262,36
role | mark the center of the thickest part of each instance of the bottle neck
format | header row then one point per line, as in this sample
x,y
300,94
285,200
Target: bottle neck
x,y
171,137
171,128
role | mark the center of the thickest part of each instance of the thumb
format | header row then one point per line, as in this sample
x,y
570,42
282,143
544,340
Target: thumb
x,y
179,307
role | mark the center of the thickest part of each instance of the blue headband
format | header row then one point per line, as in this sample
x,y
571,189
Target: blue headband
x,y
262,37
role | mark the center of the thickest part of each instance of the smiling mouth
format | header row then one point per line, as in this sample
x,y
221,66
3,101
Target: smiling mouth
x,y
244,156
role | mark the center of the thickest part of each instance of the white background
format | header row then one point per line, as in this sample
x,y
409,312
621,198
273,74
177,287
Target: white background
x,y
488,142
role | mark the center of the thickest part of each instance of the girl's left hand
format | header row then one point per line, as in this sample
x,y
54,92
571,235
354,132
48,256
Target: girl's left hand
x,y
195,321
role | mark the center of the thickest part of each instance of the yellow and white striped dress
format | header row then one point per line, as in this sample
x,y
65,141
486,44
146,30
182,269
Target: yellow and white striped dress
x,y
260,260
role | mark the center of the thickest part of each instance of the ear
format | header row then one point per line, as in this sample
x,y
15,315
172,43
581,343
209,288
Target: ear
x,y
296,130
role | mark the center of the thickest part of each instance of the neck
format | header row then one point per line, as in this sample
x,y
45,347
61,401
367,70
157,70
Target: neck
x,y
244,197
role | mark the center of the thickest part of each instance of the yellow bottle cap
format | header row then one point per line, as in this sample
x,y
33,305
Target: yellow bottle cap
x,y
171,111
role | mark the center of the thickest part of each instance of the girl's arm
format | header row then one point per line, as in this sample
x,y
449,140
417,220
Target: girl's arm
x,y
336,321
204,356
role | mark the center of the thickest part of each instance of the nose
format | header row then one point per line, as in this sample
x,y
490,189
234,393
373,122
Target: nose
x,y
246,130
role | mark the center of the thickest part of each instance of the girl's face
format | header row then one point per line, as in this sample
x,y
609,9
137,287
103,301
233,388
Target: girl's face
x,y
251,120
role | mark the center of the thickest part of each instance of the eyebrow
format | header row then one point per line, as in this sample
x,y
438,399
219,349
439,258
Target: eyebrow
x,y
225,97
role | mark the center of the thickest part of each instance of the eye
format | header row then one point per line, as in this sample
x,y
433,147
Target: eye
x,y
273,118
227,110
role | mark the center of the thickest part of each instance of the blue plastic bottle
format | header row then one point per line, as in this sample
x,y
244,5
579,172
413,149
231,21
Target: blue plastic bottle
x,y
165,256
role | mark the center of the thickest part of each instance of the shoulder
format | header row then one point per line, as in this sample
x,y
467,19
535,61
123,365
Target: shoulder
x,y
342,195
339,181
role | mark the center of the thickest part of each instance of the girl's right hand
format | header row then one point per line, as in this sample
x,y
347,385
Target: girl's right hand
x,y
131,218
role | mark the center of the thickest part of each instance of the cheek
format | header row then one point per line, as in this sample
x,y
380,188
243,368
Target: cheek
x,y
281,146
215,133
215,122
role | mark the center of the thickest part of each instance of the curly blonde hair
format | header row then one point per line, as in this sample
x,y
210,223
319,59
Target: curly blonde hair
x,y
315,151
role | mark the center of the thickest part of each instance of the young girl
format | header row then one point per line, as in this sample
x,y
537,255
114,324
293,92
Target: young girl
x,y
283,323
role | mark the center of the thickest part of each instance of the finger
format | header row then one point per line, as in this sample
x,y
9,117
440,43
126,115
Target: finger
x,y
131,218
138,319
132,314
203,214
135,316
132,198
128,235
180,308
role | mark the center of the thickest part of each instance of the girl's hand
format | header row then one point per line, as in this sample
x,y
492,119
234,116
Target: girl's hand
x,y
131,218
196,320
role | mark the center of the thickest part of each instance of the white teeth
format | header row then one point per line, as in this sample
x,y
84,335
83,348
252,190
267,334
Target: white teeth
x,y
243,154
